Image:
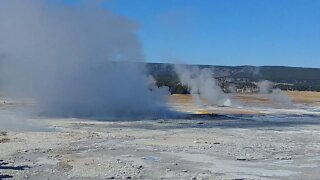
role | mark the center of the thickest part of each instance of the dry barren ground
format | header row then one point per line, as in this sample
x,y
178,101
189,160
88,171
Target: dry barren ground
x,y
304,97
247,103
197,147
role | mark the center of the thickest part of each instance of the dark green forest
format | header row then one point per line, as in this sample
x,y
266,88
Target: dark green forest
x,y
242,77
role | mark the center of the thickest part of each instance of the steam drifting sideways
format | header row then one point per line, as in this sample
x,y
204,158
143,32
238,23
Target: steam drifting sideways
x,y
75,60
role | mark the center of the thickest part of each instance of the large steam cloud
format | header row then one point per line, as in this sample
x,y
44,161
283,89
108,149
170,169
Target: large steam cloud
x,y
75,60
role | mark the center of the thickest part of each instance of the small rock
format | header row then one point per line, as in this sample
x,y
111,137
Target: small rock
x,y
111,177
168,169
243,159
193,178
196,142
284,158
184,170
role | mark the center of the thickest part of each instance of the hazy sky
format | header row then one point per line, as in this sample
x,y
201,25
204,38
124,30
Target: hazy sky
x,y
226,32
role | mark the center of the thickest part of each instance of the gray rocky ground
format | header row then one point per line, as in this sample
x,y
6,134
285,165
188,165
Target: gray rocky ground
x,y
196,147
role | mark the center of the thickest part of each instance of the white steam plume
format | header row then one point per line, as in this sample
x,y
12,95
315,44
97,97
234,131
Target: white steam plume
x,y
281,98
202,85
265,86
274,94
74,60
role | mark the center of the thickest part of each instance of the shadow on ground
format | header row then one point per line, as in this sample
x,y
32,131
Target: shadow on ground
x,y
4,166
272,122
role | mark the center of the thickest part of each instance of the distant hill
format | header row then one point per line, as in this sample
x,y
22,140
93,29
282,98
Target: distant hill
x,y
286,78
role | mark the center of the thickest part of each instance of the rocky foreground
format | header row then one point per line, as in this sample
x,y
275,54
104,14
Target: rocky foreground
x,y
243,143
199,147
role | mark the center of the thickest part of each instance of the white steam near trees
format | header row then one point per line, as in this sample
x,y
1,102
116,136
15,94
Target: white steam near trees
x,y
74,60
274,94
202,86
265,86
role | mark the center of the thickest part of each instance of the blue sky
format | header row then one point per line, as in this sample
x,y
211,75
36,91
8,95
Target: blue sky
x,y
227,32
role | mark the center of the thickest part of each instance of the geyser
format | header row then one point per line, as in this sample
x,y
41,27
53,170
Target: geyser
x,y
75,60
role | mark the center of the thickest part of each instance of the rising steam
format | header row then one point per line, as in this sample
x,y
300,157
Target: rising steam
x,y
75,60
265,86
274,94
202,86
